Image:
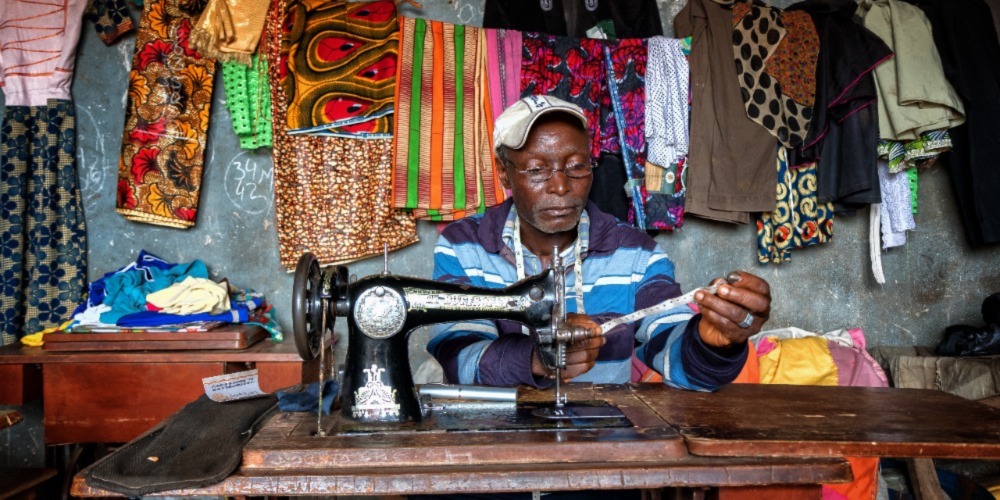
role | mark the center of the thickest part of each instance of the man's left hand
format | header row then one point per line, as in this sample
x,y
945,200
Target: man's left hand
x,y
738,310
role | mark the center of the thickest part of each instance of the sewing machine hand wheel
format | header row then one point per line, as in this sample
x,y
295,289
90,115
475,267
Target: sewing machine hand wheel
x,y
313,298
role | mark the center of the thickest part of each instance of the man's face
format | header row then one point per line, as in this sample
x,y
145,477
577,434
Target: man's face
x,y
553,206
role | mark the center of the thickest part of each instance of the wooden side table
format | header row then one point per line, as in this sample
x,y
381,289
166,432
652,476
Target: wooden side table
x,y
112,397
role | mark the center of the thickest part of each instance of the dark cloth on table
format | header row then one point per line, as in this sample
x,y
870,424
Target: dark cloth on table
x,y
306,398
631,18
970,53
200,445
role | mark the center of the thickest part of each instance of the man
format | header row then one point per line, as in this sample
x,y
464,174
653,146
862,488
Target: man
x,y
543,151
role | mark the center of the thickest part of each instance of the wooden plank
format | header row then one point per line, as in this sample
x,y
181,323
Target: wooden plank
x,y
784,420
261,351
685,471
242,338
22,384
114,403
233,331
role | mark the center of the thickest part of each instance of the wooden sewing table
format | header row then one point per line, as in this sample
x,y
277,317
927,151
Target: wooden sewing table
x,y
744,441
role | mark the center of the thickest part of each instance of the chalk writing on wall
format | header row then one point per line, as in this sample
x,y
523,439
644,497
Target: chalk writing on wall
x,y
250,183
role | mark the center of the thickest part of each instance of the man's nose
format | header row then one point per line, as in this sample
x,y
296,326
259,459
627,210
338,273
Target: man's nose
x,y
559,182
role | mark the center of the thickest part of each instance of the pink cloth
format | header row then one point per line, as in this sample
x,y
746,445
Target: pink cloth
x,y
503,58
38,40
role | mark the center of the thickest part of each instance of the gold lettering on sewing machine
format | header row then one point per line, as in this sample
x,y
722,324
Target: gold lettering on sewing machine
x,y
419,299
375,400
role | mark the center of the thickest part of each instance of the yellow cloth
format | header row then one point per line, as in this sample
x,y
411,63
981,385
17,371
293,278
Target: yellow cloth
x,y
804,361
191,296
35,339
228,30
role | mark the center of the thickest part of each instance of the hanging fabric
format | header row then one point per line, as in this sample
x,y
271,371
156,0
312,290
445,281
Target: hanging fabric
x,y
248,99
573,18
331,194
229,30
731,162
341,70
43,236
443,155
798,221
166,120
966,39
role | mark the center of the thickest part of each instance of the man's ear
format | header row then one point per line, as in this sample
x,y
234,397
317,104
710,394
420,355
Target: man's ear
x,y
502,173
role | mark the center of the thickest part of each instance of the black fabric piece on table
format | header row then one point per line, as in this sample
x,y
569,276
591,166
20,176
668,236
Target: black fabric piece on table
x,y
966,39
631,18
200,445
608,189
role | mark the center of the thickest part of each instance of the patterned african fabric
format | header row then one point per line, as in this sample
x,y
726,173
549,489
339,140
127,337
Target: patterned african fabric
x,y
38,49
503,65
664,195
731,159
341,73
110,18
913,154
43,258
166,119
909,106
248,99
798,220
331,194
228,30
575,70
773,49
582,71
443,155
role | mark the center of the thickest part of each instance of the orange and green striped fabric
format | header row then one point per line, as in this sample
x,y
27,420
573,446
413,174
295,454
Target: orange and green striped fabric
x,y
443,153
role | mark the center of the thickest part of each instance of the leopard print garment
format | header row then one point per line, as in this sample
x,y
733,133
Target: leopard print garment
x,y
757,33
332,195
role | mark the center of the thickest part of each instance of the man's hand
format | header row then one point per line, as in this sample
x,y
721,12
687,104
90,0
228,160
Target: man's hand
x,y
580,355
738,310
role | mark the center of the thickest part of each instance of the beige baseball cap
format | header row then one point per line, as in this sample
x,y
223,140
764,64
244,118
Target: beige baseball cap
x,y
513,125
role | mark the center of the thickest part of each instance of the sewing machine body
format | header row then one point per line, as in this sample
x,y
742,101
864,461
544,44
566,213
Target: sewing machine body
x,y
381,311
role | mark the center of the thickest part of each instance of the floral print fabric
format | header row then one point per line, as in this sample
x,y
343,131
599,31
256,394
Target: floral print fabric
x,y
166,120
43,244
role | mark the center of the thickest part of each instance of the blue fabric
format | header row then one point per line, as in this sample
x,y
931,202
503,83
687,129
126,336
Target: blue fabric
x,y
238,314
126,292
624,270
307,398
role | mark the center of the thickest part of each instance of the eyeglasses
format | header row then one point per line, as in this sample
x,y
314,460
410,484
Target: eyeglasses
x,y
542,174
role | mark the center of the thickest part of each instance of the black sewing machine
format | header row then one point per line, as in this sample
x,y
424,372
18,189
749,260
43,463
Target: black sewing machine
x,y
381,310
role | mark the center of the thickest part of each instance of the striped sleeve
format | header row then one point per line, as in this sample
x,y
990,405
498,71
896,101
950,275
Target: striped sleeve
x,y
478,352
669,341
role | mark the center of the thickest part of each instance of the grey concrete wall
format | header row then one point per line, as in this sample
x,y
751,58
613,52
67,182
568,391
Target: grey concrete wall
x,y
934,281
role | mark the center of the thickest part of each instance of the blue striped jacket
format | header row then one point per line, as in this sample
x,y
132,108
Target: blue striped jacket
x,y
624,270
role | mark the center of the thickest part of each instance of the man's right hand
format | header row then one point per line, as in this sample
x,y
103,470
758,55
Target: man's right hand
x,y
580,355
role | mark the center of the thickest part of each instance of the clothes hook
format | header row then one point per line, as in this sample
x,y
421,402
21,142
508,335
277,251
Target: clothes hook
x,y
546,5
591,5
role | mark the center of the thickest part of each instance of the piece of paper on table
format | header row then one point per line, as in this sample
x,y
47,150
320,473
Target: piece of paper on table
x,y
232,386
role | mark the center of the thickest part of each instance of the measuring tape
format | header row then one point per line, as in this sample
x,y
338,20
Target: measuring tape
x,y
666,305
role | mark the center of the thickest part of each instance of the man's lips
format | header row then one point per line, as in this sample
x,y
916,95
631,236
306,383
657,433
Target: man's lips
x,y
559,211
